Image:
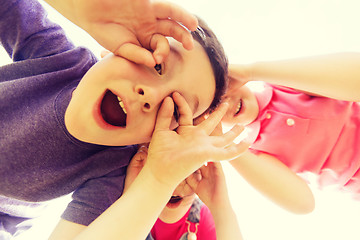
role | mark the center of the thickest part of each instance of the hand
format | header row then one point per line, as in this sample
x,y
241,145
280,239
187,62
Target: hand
x,y
218,129
210,185
174,155
129,28
135,166
209,181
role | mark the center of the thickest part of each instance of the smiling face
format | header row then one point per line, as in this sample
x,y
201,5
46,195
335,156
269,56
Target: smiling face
x,y
243,106
117,101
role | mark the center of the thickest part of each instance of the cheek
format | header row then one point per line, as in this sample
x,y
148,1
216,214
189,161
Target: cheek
x,y
143,128
143,135
233,97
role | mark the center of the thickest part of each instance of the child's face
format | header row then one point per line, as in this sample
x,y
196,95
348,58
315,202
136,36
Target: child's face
x,y
243,107
179,203
117,101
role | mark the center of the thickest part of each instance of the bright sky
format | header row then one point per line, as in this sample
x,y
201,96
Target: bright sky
x,y
257,30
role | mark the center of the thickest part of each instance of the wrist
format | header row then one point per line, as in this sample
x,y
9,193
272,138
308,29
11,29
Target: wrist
x,y
219,207
221,212
156,180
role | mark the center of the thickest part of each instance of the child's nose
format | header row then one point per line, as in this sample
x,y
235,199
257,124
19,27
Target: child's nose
x,y
148,97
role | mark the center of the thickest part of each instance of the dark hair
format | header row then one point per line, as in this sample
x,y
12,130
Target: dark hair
x,y
219,62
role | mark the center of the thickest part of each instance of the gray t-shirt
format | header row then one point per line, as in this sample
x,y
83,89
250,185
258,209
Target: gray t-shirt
x,y
39,159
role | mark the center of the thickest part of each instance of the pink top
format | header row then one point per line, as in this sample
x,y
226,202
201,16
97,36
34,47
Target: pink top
x,y
310,134
206,227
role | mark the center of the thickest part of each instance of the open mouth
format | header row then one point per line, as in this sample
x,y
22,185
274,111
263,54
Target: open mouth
x,y
238,108
174,201
112,110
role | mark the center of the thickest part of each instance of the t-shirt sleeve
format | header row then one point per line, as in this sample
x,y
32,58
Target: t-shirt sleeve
x,y
94,197
27,33
207,225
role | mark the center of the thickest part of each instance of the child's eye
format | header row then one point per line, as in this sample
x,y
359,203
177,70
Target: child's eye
x,y
176,113
158,69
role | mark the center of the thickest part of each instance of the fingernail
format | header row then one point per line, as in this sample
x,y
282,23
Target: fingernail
x,y
189,45
151,63
142,148
158,59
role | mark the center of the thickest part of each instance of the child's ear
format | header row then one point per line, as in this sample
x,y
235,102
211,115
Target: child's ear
x,y
104,53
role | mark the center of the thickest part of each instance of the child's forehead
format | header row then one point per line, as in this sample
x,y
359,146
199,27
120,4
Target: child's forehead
x,y
197,51
191,72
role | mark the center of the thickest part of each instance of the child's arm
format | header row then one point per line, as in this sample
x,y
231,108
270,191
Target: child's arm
x,y
27,33
129,28
334,75
172,156
211,188
276,181
68,230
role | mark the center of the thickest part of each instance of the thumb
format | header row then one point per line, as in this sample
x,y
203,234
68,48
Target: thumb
x,y
194,179
164,116
160,45
136,53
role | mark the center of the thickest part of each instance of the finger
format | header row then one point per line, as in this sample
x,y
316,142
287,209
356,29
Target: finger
x,y
175,30
217,131
200,119
214,118
193,180
205,170
226,154
143,147
187,188
237,148
160,45
139,159
215,165
228,137
216,172
216,168
164,10
186,115
136,53
197,175
165,115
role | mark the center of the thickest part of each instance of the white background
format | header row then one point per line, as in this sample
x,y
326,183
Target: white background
x,y
257,30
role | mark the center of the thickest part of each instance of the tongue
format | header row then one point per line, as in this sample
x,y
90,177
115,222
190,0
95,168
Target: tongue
x,y
111,111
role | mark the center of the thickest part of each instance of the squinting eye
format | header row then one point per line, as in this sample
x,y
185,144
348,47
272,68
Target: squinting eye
x,y
158,68
176,113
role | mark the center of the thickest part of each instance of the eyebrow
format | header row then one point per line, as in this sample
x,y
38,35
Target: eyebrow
x,y
177,54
